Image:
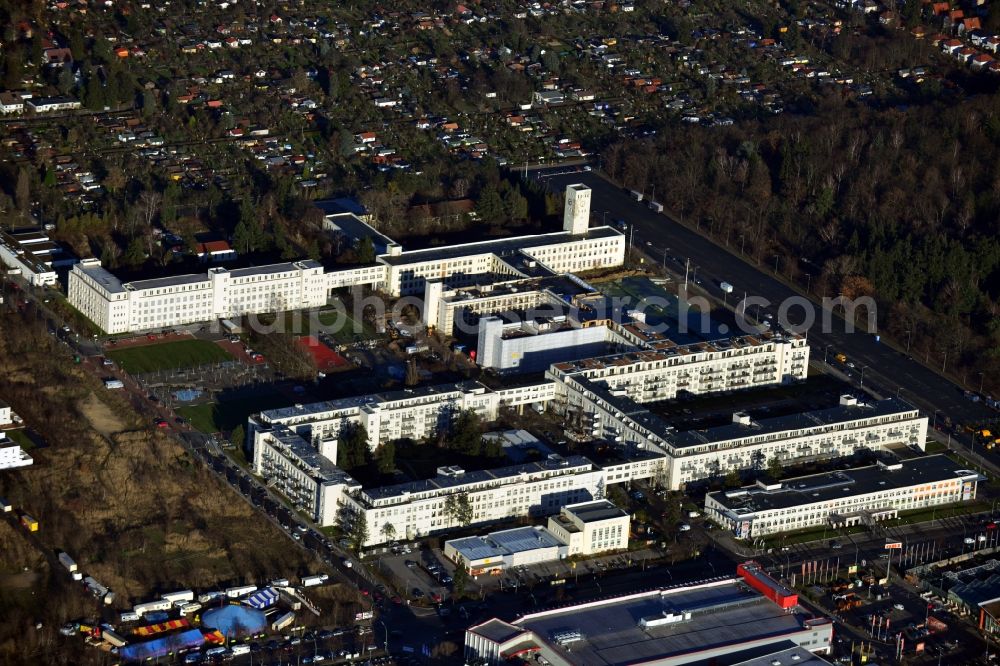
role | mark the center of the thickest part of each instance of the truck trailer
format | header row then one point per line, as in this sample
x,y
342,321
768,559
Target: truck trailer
x,y
67,561
283,621
311,581
178,598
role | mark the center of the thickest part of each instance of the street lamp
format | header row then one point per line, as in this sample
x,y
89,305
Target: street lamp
x,y
862,384
981,378
825,352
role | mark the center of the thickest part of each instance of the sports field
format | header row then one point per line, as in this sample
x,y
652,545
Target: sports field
x,y
168,356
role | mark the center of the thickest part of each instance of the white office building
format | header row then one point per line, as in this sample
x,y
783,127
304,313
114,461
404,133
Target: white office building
x,y
12,456
843,498
590,528
117,307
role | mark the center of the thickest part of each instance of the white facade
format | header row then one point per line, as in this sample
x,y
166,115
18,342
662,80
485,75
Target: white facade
x,y
576,212
6,415
590,528
507,549
14,255
118,307
11,455
841,499
532,346
704,367
417,509
822,434
412,413
296,469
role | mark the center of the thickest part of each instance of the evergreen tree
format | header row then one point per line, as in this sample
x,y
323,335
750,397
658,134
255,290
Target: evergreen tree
x,y
490,206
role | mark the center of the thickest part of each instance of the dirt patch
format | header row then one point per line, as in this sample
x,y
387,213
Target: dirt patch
x,y
20,581
100,416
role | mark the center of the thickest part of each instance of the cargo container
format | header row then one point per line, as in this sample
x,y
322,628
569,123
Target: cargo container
x,y
636,195
113,384
209,597
243,590
279,582
6,506
310,581
111,637
283,621
178,598
149,606
95,588
29,523
755,576
67,561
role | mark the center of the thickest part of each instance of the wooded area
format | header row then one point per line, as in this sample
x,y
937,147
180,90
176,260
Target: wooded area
x,y
904,206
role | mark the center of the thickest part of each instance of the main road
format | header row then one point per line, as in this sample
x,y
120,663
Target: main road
x,y
682,250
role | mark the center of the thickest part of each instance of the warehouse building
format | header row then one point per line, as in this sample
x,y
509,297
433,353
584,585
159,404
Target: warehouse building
x,y
508,549
721,621
843,498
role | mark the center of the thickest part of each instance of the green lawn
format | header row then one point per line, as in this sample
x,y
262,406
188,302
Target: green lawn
x,y
19,436
169,356
226,415
349,330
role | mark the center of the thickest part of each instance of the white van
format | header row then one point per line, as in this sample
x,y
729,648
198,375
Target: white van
x,y
238,650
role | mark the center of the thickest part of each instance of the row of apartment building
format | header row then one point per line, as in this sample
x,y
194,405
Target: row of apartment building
x,y
651,448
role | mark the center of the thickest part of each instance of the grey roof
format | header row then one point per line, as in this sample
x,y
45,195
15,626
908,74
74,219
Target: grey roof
x,y
801,421
724,615
164,282
592,512
522,539
102,276
836,485
502,247
319,467
475,548
498,474
306,410
270,269
496,630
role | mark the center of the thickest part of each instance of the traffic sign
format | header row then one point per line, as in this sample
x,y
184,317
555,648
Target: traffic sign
x,y
893,545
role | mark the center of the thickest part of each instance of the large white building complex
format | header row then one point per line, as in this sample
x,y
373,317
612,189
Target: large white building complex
x,y
720,621
840,499
118,307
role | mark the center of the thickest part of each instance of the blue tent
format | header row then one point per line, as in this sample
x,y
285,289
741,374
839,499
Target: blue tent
x,y
262,598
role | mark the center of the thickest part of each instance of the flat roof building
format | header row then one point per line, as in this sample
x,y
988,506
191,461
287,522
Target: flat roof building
x,y
719,621
589,528
842,498
507,549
